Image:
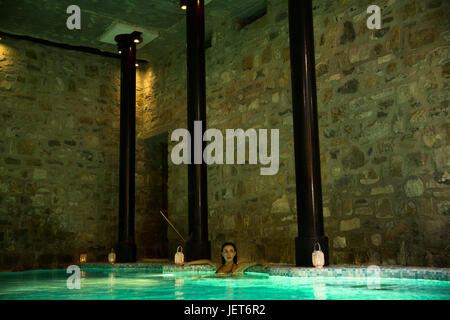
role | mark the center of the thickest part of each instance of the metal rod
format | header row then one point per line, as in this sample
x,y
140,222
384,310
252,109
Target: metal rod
x,y
65,46
170,223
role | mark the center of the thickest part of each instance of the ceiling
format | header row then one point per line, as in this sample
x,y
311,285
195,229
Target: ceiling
x,y
46,19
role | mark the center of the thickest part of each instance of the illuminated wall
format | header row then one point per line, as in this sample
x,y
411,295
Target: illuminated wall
x,y
384,132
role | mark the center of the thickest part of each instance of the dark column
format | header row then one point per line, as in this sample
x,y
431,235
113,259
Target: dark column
x,y
306,137
126,248
197,246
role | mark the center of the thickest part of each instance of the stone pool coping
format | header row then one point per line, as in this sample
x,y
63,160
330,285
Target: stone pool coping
x,y
442,274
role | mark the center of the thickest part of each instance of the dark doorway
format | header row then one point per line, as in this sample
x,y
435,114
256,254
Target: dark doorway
x,y
151,229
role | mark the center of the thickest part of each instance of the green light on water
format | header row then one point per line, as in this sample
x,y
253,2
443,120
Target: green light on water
x,y
141,285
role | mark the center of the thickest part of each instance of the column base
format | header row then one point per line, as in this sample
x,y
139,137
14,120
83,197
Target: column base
x,y
304,247
125,252
197,250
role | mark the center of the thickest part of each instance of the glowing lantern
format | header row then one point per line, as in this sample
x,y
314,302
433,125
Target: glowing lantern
x,y
179,256
83,258
112,257
318,259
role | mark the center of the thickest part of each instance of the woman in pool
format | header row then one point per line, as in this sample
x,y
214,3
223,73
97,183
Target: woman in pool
x,y
229,261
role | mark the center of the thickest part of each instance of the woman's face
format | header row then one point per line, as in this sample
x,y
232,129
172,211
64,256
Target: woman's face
x,y
228,253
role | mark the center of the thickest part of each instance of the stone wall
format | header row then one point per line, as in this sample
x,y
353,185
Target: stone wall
x,y
59,140
384,132
384,141
59,148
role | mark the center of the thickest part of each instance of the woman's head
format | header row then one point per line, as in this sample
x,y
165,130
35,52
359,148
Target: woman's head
x,y
229,253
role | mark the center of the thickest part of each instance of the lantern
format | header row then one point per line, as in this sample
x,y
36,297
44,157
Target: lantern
x,y
179,256
83,257
318,259
112,257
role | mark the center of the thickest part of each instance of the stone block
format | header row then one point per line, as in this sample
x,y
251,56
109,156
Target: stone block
x,y
326,212
229,223
340,257
348,35
349,87
91,141
339,242
12,161
435,233
444,208
354,159
39,174
266,55
281,205
384,208
286,53
247,63
347,207
376,239
25,147
31,54
414,187
431,138
369,177
91,71
54,143
382,190
366,211
16,187
351,224
322,69
425,207
34,162
419,38
396,166
385,59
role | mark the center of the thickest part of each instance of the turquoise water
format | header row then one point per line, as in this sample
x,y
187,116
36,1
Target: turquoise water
x,y
138,284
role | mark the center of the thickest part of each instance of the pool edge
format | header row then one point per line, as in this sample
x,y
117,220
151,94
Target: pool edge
x,y
425,273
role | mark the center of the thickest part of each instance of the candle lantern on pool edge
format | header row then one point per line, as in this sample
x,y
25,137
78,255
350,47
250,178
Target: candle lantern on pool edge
x,y
179,256
112,256
83,258
318,259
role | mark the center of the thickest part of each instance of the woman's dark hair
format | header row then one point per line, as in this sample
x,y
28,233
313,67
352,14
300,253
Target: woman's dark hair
x,y
235,250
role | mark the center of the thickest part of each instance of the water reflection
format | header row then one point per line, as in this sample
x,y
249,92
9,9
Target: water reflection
x,y
319,290
140,285
111,278
179,283
373,277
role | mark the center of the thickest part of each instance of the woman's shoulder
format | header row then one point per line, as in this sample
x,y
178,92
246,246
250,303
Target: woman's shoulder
x,y
244,265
